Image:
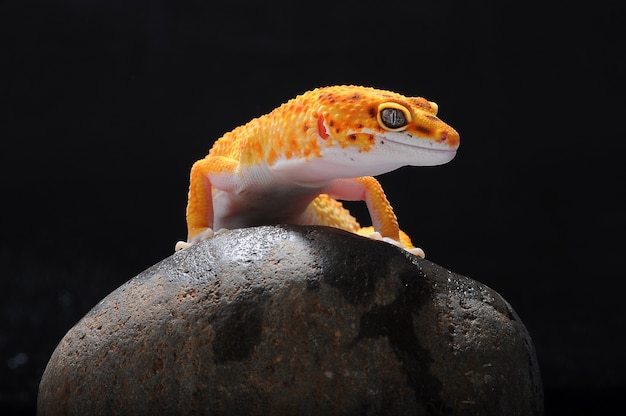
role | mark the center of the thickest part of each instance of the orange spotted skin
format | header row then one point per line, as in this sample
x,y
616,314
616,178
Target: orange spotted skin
x,y
291,165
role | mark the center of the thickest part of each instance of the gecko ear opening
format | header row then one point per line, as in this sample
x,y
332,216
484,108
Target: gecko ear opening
x,y
393,116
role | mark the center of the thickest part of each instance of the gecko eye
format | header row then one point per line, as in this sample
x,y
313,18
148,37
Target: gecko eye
x,y
393,117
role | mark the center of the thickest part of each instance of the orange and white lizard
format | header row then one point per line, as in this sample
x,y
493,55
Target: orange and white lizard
x,y
292,165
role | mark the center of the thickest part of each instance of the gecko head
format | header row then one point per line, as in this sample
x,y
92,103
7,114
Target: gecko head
x,y
381,129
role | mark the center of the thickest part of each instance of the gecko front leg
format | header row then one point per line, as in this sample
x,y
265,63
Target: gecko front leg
x,y
200,211
384,222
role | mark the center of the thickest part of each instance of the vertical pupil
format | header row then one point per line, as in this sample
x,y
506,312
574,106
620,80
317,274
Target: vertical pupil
x,y
393,118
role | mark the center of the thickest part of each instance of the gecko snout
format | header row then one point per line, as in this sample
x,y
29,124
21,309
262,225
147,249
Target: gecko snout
x,y
450,138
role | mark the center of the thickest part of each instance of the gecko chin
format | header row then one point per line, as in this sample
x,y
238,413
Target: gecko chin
x,y
432,157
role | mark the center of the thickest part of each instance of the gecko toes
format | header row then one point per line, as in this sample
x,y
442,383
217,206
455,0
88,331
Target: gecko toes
x,y
417,251
181,245
375,236
204,235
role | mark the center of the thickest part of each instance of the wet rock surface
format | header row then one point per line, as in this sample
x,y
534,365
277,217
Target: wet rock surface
x,y
295,320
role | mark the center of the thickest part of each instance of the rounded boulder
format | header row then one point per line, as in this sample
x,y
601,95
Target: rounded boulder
x,y
280,320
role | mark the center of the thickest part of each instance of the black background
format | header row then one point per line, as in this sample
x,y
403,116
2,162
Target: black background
x,y
107,103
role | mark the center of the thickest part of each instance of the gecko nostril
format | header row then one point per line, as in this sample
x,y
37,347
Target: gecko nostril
x,y
444,136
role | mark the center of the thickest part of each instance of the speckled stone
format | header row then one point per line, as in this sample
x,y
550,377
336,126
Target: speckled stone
x,y
289,320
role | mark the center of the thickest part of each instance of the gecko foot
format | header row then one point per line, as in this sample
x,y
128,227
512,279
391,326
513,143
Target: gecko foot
x,y
204,235
415,250
182,245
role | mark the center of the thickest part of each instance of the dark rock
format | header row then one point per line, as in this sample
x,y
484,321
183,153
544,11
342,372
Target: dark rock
x,y
295,320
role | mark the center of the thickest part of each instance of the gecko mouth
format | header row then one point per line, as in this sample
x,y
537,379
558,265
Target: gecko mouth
x,y
419,143
417,151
